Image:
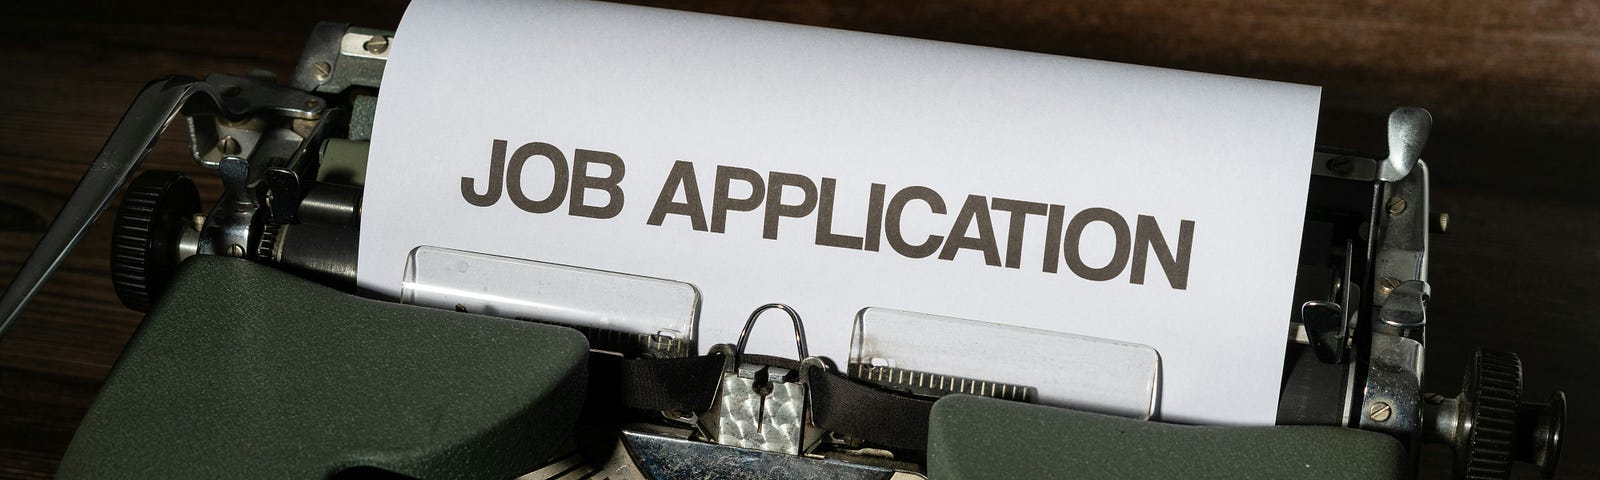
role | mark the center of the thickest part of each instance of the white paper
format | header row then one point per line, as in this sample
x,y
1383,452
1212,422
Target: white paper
x,y
654,87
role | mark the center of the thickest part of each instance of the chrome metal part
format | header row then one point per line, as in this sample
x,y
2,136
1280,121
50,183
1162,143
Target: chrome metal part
x,y
264,169
663,315
610,462
1339,165
336,57
228,146
1544,426
244,95
287,175
227,227
1408,134
1348,293
1442,421
325,252
1405,310
1489,425
920,353
364,45
189,239
239,131
133,138
660,457
799,328
331,204
1397,205
212,137
1402,249
761,407
1323,324
1386,285
1394,379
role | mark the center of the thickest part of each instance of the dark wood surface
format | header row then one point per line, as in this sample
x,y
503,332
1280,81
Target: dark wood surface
x,y
1514,86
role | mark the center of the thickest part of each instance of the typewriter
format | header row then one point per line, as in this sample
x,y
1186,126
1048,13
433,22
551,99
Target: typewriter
x,y
258,359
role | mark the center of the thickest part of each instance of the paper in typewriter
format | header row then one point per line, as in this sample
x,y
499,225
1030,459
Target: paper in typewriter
x,y
834,170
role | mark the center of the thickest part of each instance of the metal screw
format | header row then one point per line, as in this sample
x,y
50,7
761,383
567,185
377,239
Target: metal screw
x,y
199,220
321,71
1387,285
1397,205
376,45
1380,411
235,250
1441,222
312,103
1340,165
228,146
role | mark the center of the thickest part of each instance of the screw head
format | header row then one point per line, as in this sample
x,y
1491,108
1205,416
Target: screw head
x,y
228,146
1441,223
1380,411
235,250
1341,165
1397,205
376,45
321,71
1387,285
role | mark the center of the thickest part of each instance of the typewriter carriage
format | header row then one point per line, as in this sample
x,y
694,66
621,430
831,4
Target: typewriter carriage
x,y
292,160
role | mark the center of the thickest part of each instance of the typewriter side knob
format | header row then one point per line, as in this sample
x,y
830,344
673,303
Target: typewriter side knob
x,y
155,210
1489,426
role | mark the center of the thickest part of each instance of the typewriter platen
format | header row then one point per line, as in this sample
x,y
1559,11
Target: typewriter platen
x,y
292,159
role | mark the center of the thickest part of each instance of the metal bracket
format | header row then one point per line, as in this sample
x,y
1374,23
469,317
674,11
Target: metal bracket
x,y
1392,395
338,56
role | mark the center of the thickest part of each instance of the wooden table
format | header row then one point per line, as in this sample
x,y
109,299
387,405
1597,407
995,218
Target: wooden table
x,y
1515,90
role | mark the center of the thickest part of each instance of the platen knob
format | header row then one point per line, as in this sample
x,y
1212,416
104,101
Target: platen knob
x,y
1488,424
1490,393
156,209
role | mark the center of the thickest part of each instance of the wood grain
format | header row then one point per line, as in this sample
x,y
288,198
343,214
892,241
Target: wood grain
x,y
1514,86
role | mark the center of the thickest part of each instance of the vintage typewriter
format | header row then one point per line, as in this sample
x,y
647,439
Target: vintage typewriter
x,y
257,359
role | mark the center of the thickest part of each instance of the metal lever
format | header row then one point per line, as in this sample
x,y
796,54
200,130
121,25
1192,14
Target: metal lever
x,y
1408,133
799,329
134,137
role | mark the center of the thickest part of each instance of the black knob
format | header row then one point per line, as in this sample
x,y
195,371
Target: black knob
x,y
156,209
1490,393
1489,426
